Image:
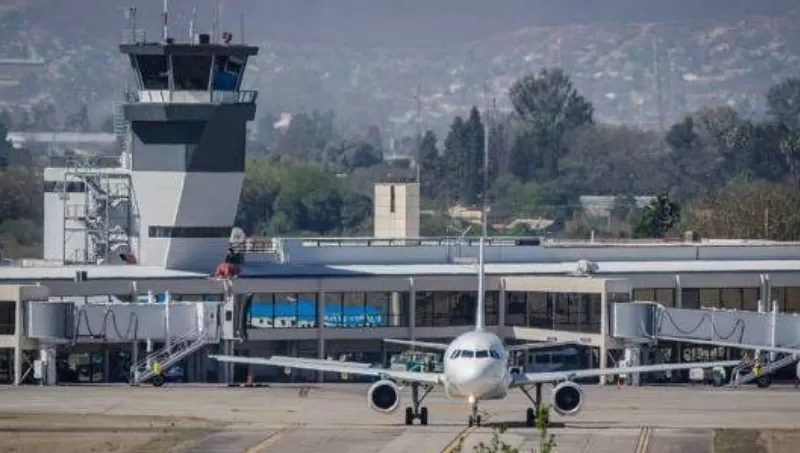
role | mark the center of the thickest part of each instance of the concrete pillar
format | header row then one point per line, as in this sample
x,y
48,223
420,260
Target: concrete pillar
x,y
321,332
501,305
412,309
47,355
134,359
633,355
395,309
18,329
106,363
603,331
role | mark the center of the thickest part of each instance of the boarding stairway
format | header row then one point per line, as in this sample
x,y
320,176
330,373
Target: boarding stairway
x,y
179,348
647,323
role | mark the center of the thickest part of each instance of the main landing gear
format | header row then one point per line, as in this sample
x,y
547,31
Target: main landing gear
x,y
532,412
417,412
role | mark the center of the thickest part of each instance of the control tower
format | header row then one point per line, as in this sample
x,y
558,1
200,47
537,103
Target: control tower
x,y
187,120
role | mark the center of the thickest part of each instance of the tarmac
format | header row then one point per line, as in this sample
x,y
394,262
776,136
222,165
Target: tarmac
x,y
335,418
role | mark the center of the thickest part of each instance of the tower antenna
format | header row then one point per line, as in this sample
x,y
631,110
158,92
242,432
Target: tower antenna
x,y
215,23
165,15
191,24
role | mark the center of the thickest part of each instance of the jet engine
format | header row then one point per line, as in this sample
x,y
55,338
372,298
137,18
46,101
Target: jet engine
x,y
567,398
383,396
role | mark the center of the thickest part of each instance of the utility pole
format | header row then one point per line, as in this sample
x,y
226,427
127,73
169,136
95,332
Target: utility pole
x,y
418,98
485,194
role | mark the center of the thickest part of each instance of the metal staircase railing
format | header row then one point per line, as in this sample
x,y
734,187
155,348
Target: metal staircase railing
x,y
179,348
768,369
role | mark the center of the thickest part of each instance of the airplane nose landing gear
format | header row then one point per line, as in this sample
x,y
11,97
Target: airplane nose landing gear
x,y
475,418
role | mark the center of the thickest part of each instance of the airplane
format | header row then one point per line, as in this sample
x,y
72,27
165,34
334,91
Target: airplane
x,y
476,368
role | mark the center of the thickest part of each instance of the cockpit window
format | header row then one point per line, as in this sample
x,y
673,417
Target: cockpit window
x,y
493,352
482,354
467,354
455,354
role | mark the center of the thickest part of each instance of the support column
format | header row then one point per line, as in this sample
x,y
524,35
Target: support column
x,y
320,312
134,360
106,362
18,329
603,331
47,354
412,309
395,310
501,307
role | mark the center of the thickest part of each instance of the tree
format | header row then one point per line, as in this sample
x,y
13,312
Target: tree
x,y
431,172
613,160
741,210
783,103
658,218
549,106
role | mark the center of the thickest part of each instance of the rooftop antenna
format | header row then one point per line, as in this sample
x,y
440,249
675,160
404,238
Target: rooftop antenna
x,y
191,24
165,14
215,23
130,14
241,24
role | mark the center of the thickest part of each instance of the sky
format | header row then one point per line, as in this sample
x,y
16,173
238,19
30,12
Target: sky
x,y
396,23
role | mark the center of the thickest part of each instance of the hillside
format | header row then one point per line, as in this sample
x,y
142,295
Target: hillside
x,y
698,62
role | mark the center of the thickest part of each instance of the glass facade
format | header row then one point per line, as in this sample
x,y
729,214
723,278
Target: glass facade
x,y
730,298
576,312
454,308
788,298
8,318
340,310
664,296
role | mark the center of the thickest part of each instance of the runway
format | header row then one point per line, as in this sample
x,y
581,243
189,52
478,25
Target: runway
x,y
335,418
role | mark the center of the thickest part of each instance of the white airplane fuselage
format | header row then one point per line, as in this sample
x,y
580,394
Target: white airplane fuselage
x,y
476,367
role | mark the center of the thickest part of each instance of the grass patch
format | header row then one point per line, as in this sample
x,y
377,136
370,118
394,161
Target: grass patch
x,y
738,441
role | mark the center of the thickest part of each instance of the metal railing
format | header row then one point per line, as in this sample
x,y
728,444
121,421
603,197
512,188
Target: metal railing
x,y
179,348
191,97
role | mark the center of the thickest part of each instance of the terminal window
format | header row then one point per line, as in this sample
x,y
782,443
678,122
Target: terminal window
x,y
188,232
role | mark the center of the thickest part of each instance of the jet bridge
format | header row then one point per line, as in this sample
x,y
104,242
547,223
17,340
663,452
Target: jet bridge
x,y
646,323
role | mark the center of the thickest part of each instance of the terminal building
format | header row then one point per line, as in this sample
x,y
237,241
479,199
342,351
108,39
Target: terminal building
x,y
140,265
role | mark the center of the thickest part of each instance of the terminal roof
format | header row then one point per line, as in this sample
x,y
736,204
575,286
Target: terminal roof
x,y
277,270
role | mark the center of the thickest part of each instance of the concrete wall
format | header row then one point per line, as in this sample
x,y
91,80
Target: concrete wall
x,y
396,210
301,251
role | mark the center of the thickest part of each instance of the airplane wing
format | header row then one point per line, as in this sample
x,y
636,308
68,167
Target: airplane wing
x,y
540,345
333,366
444,346
284,359
556,376
420,344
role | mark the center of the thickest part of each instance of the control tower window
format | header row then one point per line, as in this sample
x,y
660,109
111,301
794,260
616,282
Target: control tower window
x,y
191,72
227,72
153,69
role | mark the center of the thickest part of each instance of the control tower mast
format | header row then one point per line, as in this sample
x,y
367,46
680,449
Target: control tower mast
x,y
188,118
